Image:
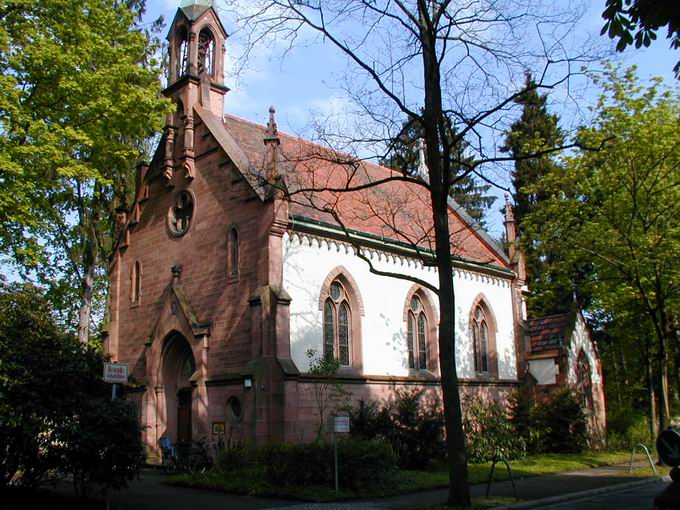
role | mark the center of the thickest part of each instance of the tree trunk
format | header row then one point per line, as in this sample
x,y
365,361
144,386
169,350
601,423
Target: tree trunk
x,y
650,386
459,490
624,368
617,377
85,311
664,411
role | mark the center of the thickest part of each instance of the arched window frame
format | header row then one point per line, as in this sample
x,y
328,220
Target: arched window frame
x,y
422,352
206,51
135,283
584,383
483,329
331,312
233,252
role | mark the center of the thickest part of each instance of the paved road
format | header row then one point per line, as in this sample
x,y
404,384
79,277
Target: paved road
x,y
638,498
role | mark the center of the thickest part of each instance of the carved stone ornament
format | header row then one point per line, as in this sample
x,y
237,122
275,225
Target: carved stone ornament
x,y
181,213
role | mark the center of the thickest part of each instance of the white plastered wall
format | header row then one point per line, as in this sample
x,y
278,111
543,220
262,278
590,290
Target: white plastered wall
x,y
580,339
308,260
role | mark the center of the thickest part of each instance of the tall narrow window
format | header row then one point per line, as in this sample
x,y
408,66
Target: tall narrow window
x,y
206,51
480,338
182,54
135,283
417,335
337,321
233,252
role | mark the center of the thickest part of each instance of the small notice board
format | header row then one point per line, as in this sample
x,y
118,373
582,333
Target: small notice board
x,y
116,373
341,424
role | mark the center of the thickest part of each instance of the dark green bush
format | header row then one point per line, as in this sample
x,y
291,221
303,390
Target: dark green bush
x,y
527,419
489,432
626,428
231,459
565,423
360,462
413,427
56,414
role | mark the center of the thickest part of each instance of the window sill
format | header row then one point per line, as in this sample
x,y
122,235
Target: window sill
x,y
421,374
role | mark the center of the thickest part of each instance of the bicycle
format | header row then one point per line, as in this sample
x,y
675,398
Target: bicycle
x,y
203,455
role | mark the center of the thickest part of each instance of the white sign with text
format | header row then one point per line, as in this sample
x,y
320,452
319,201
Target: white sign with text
x,y
116,373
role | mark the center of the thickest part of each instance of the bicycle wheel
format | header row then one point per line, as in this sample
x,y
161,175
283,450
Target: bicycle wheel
x,y
196,465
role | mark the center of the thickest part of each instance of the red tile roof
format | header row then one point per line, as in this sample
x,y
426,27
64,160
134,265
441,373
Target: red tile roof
x,y
318,179
548,333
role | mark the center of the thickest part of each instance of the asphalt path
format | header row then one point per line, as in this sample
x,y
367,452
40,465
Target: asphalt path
x,y
636,498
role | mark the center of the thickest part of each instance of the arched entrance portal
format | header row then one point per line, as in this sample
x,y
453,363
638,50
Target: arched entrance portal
x,y
178,369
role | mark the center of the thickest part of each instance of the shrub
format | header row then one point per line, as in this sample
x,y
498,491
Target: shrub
x,y
360,463
527,419
565,423
56,414
489,432
413,426
625,429
231,458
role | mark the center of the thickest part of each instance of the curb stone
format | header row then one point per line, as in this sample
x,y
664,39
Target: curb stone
x,y
554,500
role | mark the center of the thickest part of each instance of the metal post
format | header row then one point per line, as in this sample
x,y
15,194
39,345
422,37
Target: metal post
x,y
113,392
335,448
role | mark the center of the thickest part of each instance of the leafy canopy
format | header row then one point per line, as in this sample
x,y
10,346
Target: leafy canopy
x,y
78,98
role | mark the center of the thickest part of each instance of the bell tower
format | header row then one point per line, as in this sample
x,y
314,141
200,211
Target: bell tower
x,y
197,44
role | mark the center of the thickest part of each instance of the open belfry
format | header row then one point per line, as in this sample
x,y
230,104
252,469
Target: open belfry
x,y
221,284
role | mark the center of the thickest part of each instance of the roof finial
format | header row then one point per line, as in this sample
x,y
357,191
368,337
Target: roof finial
x,y
509,214
271,125
422,165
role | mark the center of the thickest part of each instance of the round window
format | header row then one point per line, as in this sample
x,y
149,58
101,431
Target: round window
x,y
181,213
235,409
415,304
336,291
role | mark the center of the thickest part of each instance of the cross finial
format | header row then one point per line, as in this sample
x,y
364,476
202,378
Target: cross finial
x,y
176,271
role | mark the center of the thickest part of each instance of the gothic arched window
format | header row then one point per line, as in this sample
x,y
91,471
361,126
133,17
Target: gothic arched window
x,y
337,325
206,51
480,338
233,252
417,332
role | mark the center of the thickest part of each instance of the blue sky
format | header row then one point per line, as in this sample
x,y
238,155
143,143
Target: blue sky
x,y
305,83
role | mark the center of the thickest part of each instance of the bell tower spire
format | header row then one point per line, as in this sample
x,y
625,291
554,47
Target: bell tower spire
x,y
197,44
196,48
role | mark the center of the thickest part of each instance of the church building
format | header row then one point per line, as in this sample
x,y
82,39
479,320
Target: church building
x,y
232,265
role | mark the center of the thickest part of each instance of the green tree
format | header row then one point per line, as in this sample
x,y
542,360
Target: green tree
x,y
465,189
536,130
639,20
56,414
78,97
615,209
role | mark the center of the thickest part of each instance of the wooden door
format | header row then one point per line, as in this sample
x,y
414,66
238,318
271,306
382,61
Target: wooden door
x,y
184,415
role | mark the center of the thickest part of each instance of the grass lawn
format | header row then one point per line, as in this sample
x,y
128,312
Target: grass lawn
x,y
250,480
